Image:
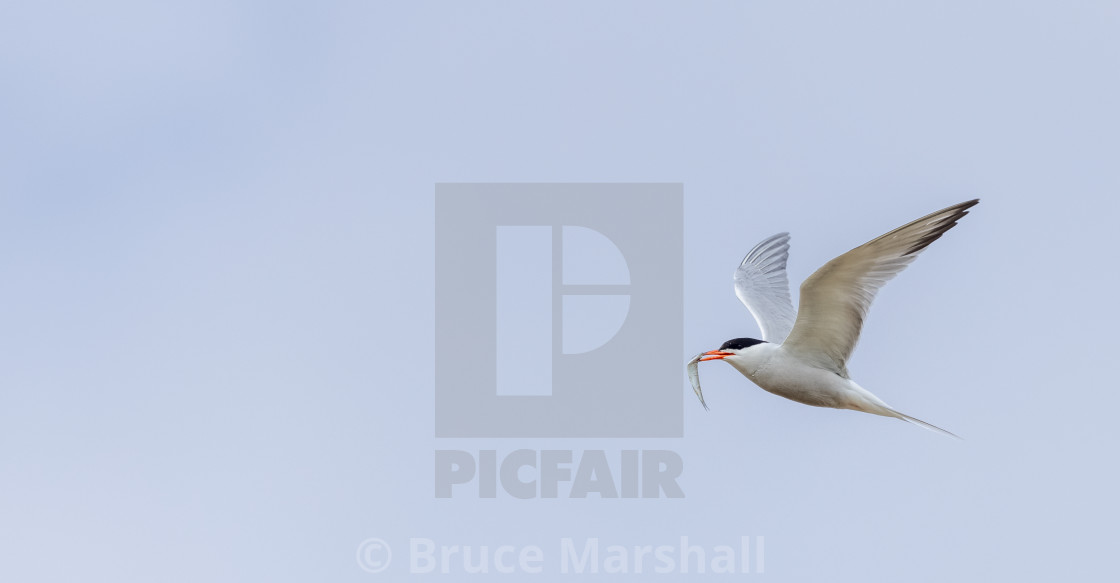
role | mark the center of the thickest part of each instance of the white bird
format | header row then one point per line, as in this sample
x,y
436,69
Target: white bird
x,y
803,355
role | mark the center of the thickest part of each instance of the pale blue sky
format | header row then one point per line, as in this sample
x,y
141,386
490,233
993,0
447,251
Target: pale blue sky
x,y
216,253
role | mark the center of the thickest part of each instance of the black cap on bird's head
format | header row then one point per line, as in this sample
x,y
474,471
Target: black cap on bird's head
x,y
735,344
740,343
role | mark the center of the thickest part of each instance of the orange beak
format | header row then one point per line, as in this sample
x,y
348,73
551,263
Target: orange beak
x,y
716,355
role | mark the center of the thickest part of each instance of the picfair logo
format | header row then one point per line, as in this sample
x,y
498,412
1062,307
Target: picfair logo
x,y
558,310
593,303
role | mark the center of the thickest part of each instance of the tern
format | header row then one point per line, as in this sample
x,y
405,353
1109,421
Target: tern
x,y
803,354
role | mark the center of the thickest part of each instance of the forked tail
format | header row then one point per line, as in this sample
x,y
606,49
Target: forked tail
x,y
921,423
864,400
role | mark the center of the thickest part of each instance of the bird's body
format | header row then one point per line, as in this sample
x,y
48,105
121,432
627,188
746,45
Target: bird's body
x,y
803,355
776,371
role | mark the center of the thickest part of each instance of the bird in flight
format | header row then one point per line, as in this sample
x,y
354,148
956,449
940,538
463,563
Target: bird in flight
x,y
803,354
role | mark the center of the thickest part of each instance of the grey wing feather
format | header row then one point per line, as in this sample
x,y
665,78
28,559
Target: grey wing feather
x,y
836,298
761,284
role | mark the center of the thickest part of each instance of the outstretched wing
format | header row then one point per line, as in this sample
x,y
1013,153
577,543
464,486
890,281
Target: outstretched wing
x,y
761,284
836,298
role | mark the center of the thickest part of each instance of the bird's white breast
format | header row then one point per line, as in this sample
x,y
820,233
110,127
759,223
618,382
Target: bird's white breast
x,y
777,371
